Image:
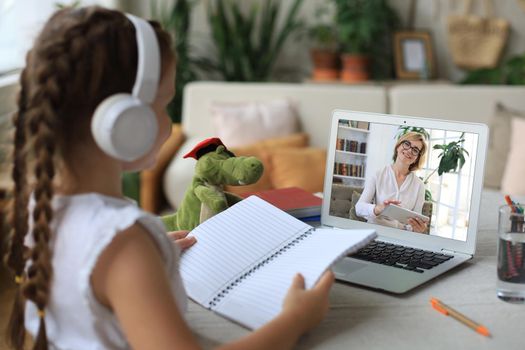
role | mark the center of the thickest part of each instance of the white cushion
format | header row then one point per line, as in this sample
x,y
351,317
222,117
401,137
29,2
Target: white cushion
x,y
243,123
179,173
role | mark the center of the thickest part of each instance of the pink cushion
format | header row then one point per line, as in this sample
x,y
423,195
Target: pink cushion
x,y
241,124
513,177
499,144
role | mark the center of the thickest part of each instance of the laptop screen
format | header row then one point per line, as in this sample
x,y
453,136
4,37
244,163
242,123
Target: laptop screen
x,y
411,178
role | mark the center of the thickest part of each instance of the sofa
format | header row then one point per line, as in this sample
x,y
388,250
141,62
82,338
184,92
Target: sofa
x,y
315,102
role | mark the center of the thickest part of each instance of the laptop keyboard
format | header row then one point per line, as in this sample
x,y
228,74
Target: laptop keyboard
x,y
399,256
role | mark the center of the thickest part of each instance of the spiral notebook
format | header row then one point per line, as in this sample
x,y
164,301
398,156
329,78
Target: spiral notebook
x,y
246,257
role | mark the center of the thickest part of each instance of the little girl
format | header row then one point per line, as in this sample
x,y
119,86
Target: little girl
x,y
96,271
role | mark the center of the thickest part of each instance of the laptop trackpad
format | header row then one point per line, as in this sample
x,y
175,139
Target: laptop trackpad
x,y
347,266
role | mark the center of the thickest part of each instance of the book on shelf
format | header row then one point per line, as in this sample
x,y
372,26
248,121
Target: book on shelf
x,y
246,257
353,170
362,147
340,145
350,145
363,125
295,201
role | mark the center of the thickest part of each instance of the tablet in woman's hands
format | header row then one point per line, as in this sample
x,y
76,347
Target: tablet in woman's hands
x,y
401,214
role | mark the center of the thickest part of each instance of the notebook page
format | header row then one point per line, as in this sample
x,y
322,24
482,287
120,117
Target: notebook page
x,y
231,242
259,298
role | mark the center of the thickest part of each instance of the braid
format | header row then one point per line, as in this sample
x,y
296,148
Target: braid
x,y
42,122
17,251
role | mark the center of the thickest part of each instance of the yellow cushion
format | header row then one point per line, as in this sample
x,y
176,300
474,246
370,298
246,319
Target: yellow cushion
x,y
261,150
299,167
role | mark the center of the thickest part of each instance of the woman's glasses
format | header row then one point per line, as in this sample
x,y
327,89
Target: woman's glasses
x,y
414,150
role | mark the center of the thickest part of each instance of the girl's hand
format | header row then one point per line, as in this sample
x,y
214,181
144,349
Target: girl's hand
x,y
378,209
308,307
418,225
181,239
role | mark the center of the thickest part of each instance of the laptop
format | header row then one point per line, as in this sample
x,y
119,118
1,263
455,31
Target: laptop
x,y
360,154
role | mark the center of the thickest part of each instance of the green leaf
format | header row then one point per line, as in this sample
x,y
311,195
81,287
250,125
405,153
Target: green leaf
x,y
428,195
248,44
363,25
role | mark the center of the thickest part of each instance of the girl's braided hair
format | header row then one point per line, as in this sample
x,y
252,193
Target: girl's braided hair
x,y
81,57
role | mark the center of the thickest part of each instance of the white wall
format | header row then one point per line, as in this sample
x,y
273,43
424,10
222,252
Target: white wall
x,y
430,15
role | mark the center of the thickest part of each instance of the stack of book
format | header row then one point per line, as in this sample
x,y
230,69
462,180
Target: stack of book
x,y
295,201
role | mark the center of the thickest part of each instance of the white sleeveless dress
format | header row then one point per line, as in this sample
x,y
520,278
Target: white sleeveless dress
x,y
83,226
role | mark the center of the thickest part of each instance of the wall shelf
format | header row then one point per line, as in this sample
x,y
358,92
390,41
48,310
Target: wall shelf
x,y
352,153
349,177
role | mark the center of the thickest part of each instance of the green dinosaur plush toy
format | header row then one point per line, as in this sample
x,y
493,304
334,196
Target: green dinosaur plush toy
x,y
215,168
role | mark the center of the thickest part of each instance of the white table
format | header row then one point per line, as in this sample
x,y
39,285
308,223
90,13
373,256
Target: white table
x,y
360,318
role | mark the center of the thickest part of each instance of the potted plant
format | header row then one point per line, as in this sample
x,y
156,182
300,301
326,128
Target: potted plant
x,y
452,155
248,42
176,20
452,159
512,72
363,28
324,54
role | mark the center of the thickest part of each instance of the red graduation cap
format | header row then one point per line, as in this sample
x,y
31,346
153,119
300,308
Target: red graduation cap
x,y
203,147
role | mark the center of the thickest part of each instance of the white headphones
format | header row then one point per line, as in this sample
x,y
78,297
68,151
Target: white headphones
x,y
124,126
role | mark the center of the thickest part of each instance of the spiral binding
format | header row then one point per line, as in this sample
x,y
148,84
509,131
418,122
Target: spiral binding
x,y
239,279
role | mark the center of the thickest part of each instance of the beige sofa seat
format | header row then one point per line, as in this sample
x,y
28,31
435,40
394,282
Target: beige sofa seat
x,y
314,102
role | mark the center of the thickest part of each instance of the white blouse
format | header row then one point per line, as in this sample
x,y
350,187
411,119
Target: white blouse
x,y
383,186
83,226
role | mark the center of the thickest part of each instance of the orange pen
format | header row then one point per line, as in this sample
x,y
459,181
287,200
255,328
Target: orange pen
x,y
510,203
448,311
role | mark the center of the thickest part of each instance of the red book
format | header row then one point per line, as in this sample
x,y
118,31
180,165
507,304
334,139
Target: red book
x,y
293,200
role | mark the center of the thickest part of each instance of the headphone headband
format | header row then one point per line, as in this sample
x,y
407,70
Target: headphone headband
x,y
124,126
148,57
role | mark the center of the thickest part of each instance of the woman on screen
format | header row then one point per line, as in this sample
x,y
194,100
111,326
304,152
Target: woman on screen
x,y
397,184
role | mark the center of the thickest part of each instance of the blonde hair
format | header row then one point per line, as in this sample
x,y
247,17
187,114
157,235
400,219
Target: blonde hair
x,y
81,57
421,158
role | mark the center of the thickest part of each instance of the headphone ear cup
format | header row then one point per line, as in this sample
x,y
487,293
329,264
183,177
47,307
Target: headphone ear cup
x,y
124,128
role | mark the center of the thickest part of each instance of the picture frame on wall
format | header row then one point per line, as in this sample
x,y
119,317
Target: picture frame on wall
x,y
414,55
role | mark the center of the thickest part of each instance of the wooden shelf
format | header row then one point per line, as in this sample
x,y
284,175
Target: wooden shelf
x,y
349,177
352,153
